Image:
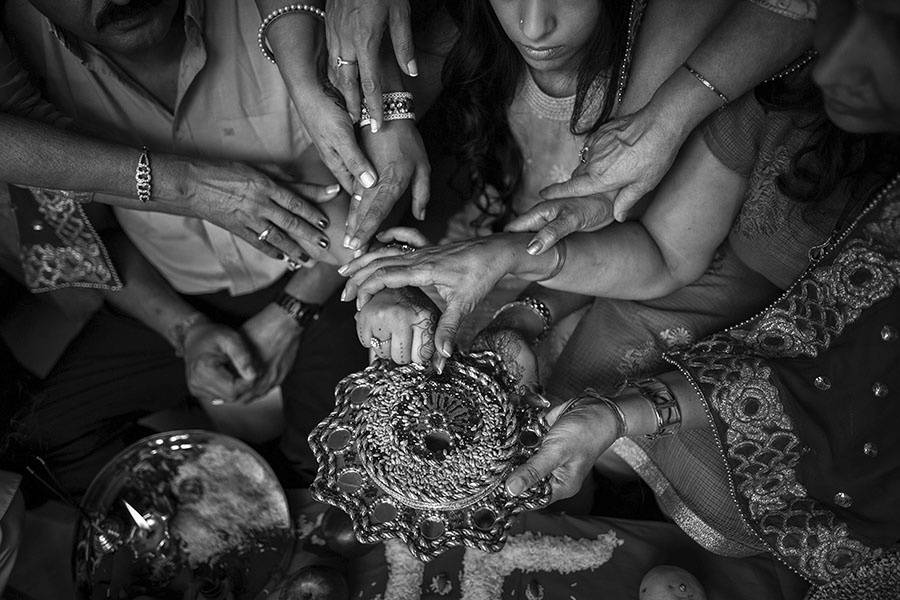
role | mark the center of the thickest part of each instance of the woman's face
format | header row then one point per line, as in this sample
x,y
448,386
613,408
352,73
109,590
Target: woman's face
x,y
549,34
859,64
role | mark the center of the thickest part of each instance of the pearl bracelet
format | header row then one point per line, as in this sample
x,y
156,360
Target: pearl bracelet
x,y
276,14
143,177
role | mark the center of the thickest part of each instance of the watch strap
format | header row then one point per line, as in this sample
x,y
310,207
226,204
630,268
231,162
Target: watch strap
x,y
303,313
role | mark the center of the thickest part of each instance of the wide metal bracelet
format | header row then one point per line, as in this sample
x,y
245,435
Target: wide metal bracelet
x,y
395,106
664,404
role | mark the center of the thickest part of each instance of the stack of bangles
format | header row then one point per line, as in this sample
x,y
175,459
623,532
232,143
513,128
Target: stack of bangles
x,y
656,393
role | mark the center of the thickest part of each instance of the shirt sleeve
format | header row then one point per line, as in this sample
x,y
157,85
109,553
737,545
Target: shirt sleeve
x,y
800,10
733,135
18,94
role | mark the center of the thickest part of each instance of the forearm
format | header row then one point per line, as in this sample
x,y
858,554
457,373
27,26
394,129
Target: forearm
x,y
145,296
621,261
749,45
298,37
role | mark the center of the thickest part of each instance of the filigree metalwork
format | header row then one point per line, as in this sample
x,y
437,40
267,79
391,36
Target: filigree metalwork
x,y
412,454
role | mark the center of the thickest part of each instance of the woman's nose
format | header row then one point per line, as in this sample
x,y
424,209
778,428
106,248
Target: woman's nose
x,y
537,20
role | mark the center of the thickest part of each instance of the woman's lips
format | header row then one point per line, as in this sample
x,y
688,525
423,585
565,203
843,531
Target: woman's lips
x,y
538,53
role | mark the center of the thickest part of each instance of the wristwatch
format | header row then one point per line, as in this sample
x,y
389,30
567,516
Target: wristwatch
x,y
303,313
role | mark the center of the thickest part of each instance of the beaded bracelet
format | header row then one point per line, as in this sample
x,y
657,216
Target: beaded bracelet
x,y
665,406
707,83
143,177
395,106
533,304
277,14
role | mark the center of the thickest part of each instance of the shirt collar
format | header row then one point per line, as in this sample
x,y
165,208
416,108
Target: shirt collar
x,y
194,11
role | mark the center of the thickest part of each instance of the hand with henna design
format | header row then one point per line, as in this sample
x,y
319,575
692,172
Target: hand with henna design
x,y
514,350
402,323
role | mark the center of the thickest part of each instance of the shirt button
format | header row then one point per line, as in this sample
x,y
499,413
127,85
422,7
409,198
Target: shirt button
x,y
843,499
879,389
870,449
888,333
823,383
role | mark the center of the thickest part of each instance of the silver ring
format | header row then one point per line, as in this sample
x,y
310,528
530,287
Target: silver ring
x,y
341,62
402,247
264,235
583,154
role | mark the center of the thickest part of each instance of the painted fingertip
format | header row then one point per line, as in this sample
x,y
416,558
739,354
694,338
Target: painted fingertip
x,y
217,402
534,247
323,223
356,198
331,190
446,349
412,68
343,271
347,240
354,243
439,365
323,243
367,179
344,295
358,253
374,126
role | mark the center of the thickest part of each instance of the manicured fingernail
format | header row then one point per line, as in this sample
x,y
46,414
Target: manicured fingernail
x,y
367,179
534,247
358,253
412,68
357,198
446,349
344,295
323,242
217,402
347,240
439,364
323,223
374,126
332,189
515,486
354,243
421,214
343,271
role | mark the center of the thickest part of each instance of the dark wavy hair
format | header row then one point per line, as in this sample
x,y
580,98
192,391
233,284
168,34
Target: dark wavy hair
x,y
480,78
831,156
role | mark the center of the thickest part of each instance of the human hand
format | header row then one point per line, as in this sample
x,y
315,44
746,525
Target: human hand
x,y
398,154
461,273
275,338
555,219
625,159
399,324
514,350
247,202
579,434
353,31
218,363
334,135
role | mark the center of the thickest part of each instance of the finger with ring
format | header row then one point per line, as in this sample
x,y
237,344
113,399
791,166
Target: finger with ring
x,y
583,154
341,62
376,343
265,233
402,247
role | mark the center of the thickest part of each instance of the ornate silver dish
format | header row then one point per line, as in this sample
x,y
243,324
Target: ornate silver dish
x,y
412,454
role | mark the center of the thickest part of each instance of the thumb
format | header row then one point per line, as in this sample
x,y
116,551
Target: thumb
x,y
405,235
536,468
625,201
445,334
237,352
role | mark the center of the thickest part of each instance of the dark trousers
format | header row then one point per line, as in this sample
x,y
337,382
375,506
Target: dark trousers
x,y
118,370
